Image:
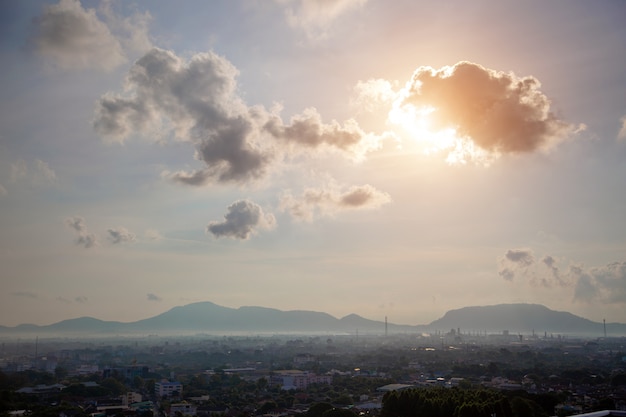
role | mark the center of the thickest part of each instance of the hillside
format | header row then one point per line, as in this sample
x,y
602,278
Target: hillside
x,y
210,318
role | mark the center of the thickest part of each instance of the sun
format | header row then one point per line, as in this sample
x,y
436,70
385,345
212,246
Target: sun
x,y
417,124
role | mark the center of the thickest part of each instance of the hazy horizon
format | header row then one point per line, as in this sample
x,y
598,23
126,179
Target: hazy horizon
x,y
351,156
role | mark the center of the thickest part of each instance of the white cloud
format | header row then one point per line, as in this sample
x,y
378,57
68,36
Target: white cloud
x,y
198,99
75,38
132,30
19,170
316,16
494,111
121,235
373,93
243,219
331,200
39,174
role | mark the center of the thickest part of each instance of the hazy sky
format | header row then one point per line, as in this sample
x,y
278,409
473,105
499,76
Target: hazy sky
x,y
385,158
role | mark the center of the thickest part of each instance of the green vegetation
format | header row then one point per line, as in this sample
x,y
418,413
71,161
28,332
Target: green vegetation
x,y
442,402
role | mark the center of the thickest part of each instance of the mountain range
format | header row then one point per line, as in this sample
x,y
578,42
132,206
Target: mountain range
x,y
209,318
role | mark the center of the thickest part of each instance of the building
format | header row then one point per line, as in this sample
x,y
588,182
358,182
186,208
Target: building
x,y
167,389
184,409
298,379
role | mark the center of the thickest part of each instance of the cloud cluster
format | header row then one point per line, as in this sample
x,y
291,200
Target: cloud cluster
x,y
605,284
521,264
83,236
315,16
72,37
330,200
198,100
498,111
243,219
87,239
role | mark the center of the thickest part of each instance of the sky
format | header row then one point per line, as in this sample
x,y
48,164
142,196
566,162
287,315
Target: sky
x,y
390,159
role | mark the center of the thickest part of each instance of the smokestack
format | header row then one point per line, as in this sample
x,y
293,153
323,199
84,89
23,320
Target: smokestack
x,y
604,322
385,326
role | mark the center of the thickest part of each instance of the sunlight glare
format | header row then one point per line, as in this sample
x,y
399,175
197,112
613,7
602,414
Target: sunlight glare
x,y
417,123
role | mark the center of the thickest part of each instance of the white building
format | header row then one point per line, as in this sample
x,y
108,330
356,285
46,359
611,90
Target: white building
x,y
167,388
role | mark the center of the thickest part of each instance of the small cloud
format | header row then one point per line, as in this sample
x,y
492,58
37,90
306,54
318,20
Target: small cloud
x,y
373,93
38,175
43,169
25,294
316,16
153,297
622,131
121,235
75,38
19,170
243,219
83,237
80,299
63,300
331,199
152,234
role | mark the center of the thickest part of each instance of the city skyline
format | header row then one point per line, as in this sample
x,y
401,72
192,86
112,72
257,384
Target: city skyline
x,y
353,156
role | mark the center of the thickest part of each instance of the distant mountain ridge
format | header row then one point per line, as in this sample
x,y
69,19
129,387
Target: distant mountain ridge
x,y
209,318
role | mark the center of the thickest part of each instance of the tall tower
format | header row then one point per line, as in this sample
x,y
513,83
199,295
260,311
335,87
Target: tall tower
x,y
604,322
386,326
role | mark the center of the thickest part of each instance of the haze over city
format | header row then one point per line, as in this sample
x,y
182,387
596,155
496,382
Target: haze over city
x,y
390,159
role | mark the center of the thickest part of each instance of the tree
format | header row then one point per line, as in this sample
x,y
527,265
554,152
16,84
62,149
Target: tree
x,y
318,409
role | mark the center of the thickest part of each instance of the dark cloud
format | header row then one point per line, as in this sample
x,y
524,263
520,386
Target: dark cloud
x,y
25,294
515,261
198,101
243,219
153,297
83,237
121,235
498,111
331,199
75,38
80,299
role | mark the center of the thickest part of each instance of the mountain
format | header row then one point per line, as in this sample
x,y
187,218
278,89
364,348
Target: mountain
x,y
522,318
210,318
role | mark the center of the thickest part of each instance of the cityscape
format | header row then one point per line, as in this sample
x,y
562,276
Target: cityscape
x,y
312,208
